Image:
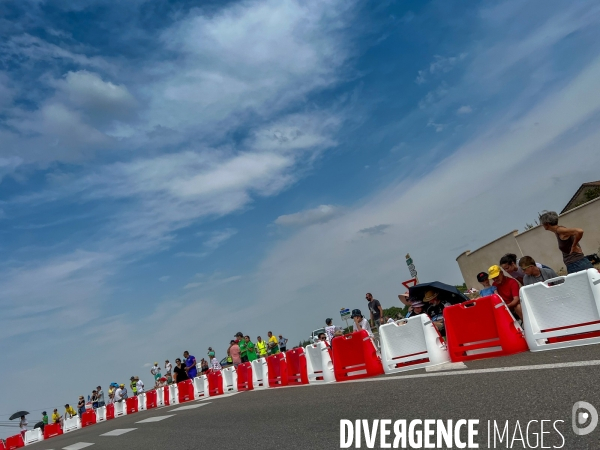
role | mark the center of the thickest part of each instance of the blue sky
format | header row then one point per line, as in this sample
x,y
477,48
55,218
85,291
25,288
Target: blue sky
x,y
174,172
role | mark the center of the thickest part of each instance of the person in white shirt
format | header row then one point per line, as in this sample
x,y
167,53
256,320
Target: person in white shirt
x,y
215,364
139,384
330,329
23,426
118,394
282,343
155,371
360,323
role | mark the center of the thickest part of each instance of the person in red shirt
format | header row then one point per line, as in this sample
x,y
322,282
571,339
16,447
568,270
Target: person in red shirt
x,y
508,290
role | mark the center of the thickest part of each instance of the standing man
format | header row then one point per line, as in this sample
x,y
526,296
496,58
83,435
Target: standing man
x,y
250,349
261,346
273,344
375,309
100,394
508,289
139,384
155,371
133,386
190,365
241,342
568,242
168,371
282,343
69,412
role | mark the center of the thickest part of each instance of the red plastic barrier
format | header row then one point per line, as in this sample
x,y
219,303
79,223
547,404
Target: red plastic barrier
x,y
482,328
51,430
2,447
151,399
244,374
278,373
110,411
131,404
215,383
88,418
296,366
15,441
355,357
186,391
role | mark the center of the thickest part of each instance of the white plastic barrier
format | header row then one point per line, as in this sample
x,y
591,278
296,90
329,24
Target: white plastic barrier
x,y
201,387
120,408
229,379
410,344
141,401
556,315
260,374
317,358
173,394
100,414
33,436
72,424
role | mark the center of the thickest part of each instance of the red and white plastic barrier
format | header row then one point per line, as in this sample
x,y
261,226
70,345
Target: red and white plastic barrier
x,y
244,377
278,374
229,379
185,391
355,356
33,436
215,383
151,399
296,366
72,424
411,343
201,387
14,442
120,408
88,418
260,374
173,394
562,312
51,430
100,414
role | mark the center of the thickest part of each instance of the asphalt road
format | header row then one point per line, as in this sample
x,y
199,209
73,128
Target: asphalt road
x,y
524,387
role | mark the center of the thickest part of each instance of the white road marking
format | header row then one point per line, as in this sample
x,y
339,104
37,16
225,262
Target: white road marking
x,y
118,432
183,408
480,371
77,446
155,419
446,366
219,396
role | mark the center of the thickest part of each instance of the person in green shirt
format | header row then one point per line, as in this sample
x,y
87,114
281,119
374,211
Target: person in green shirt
x,y
133,385
250,349
44,420
242,345
273,344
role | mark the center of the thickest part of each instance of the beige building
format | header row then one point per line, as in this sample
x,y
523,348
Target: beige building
x,y
535,242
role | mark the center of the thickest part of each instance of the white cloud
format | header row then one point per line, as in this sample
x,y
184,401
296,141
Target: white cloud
x,y
217,238
439,127
465,109
443,64
320,214
164,278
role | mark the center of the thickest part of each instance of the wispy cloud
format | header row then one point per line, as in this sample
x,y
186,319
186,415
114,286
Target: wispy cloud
x,y
320,214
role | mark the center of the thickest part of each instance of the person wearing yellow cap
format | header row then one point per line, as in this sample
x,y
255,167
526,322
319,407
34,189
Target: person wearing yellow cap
x,y
508,290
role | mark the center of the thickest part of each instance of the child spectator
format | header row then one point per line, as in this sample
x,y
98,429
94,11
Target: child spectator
x,y
488,289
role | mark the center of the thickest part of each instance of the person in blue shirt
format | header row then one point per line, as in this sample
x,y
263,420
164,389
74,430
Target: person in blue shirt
x,y
190,365
488,289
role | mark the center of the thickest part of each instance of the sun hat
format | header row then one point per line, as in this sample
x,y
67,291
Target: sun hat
x,y
429,295
356,313
418,304
482,276
494,271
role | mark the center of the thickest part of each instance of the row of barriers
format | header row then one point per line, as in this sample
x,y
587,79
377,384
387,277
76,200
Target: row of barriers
x,y
558,313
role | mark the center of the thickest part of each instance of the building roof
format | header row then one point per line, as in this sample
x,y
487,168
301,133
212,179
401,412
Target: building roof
x,y
570,205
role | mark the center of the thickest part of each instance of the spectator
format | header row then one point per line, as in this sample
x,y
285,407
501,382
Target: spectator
x,y
168,371
488,289
323,337
261,347
81,406
204,365
251,349
360,323
330,329
95,399
111,393
215,364
179,372
435,310
416,309
23,426
375,309
568,242
56,417
241,342
510,264
190,365
44,420
100,394
69,412
155,371
273,344
533,273
234,352
139,384
406,299
508,290
133,386
282,343
211,353
388,320
118,394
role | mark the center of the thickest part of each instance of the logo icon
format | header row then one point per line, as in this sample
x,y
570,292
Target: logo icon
x,y
583,413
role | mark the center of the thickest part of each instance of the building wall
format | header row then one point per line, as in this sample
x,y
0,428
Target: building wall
x,y
536,242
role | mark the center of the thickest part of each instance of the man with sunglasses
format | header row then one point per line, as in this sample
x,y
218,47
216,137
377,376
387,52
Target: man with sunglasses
x,y
534,274
375,309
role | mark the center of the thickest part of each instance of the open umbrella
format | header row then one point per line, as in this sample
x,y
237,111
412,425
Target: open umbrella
x,y
446,293
38,425
17,415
